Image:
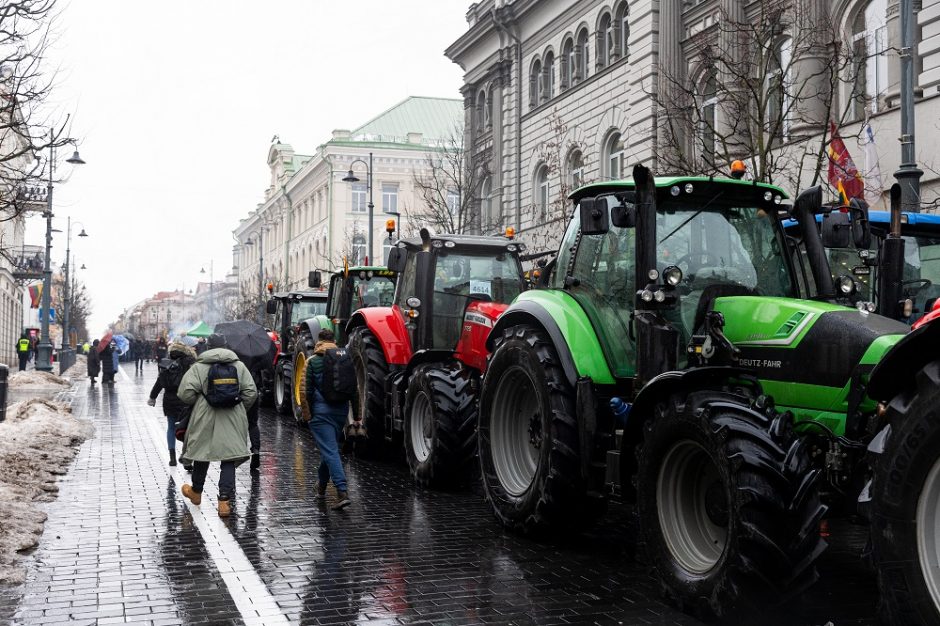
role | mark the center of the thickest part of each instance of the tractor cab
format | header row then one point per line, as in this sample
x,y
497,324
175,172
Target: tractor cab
x,y
355,288
290,310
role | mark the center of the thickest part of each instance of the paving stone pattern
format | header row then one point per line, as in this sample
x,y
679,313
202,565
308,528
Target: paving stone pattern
x,y
122,546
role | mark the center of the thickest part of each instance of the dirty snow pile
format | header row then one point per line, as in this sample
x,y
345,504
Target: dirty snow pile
x,y
37,441
79,370
34,378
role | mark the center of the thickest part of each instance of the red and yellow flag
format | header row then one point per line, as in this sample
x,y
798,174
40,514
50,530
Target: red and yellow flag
x,y
843,175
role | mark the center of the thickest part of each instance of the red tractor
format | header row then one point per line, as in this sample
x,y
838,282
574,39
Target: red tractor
x,y
419,361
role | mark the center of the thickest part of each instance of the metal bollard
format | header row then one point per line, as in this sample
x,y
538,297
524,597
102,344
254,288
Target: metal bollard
x,y
4,374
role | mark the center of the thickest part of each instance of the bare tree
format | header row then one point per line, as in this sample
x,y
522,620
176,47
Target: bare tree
x,y
27,128
248,302
762,89
449,189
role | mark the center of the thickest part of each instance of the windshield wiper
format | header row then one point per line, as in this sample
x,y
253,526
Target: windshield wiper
x,y
694,215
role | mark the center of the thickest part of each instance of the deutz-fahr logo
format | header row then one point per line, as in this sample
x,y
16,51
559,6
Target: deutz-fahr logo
x,y
760,363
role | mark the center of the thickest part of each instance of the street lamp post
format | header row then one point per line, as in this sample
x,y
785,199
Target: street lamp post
x,y
351,178
44,349
202,270
259,239
67,303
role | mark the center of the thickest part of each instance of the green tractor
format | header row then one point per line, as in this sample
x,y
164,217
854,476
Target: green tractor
x,y
351,289
669,361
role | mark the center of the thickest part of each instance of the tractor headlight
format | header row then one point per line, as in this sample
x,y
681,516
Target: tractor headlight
x,y
659,295
846,285
865,307
672,275
907,307
653,274
646,295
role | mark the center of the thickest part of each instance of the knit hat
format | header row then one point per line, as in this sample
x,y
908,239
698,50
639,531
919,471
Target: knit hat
x,y
216,340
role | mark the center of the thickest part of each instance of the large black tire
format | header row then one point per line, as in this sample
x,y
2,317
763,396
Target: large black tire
x,y
303,350
728,507
281,392
528,437
440,424
371,372
905,505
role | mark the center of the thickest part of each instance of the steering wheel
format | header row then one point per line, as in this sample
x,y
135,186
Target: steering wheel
x,y
704,258
923,282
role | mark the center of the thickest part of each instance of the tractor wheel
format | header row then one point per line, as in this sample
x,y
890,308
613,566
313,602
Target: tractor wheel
x,y
528,437
905,505
371,371
303,350
440,424
281,392
728,506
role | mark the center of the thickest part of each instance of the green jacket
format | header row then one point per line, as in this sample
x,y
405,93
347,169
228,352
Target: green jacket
x,y
216,434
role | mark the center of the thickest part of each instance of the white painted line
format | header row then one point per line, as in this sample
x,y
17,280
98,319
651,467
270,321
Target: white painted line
x,y
248,591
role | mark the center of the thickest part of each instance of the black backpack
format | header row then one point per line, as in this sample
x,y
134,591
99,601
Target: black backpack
x,y
339,376
222,390
174,374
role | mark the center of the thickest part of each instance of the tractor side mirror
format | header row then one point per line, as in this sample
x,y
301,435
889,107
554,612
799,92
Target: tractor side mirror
x,y
623,216
836,230
861,229
595,220
314,281
396,259
271,307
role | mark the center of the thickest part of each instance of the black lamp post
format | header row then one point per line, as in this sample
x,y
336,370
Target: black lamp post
x,y
259,239
68,269
351,178
44,349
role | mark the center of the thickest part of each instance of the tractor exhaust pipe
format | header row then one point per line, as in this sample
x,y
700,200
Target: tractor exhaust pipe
x,y
891,266
645,189
807,204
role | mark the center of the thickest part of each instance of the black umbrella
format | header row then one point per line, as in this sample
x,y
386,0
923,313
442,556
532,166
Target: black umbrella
x,y
249,341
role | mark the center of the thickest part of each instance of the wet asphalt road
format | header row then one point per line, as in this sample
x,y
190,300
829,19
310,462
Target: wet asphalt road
x,y
123,546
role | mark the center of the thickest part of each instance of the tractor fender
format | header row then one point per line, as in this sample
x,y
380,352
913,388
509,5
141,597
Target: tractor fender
x,y
528,312
897,369
670,382
429,355
314,325
388,326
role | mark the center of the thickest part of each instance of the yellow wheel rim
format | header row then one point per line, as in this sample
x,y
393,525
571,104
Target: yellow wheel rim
x,y
300,370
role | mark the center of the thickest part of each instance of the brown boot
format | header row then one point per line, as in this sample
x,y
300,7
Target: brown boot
x,y
224,508
189,492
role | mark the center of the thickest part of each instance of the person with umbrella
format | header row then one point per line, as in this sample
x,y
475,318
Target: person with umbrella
x,y
256,350
94,363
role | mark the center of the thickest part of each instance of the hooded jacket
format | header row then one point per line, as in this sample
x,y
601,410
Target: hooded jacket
x,y
171,370
320,409
216,433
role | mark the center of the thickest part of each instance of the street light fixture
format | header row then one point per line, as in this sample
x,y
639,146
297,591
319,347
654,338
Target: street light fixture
x,y
202,270
66,344
259,239
44,349
352,178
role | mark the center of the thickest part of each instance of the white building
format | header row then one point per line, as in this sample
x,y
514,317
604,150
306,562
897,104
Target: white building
x,y
312,219
562,92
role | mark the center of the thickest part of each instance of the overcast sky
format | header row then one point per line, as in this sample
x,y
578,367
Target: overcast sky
x,y
175,104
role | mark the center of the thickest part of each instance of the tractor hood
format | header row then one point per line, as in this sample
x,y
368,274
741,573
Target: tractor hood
x,y
815,348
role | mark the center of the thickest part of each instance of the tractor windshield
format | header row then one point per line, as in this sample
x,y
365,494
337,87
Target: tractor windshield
x,y
305,309
461,277
372,291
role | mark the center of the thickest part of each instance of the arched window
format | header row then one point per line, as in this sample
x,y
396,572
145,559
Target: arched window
x,y
583,54
778,95
870,44
535,84
548,74
613,157
605,41
568,64
358,250
622,28
486,204
542,190
483,113
708,122
575,169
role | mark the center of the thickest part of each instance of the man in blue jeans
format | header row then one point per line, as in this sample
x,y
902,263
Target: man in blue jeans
x,y
326,423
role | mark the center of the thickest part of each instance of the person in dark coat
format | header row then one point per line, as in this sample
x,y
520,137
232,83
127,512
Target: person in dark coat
x,y
171,372
107,364
160,349
139,349
94,363
201,345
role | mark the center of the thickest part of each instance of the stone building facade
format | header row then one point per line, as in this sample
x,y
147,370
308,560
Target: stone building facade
x,y
562,92
312,219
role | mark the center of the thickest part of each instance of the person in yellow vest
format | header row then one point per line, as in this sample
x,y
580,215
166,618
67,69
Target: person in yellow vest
x,y
23,348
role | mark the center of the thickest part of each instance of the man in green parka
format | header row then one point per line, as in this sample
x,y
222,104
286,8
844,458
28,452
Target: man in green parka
x,y
216,433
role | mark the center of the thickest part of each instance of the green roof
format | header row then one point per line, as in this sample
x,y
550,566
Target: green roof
x,y
668,181
437,119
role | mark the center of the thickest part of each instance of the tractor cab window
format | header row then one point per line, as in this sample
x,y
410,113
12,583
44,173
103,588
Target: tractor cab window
x,y
335,299
722,251
406,282
602,279
371,290
305,309
460,278
921,274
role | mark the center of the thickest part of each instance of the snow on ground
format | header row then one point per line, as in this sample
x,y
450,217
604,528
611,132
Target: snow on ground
x,y
79,370
38,440
36,378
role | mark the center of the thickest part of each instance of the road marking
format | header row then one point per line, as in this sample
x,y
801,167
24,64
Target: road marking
x,y
248,591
